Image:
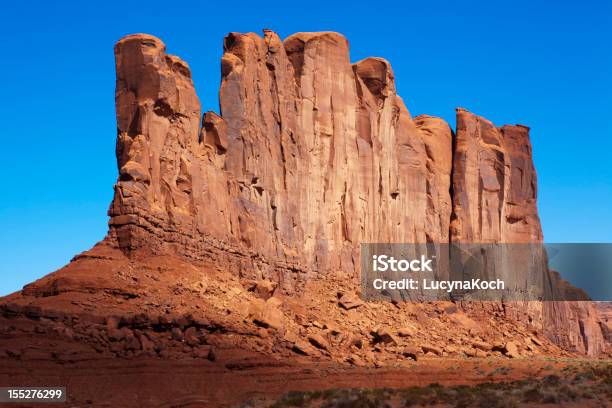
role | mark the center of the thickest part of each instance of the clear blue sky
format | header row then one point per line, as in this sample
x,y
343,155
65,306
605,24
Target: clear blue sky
x,y
544,64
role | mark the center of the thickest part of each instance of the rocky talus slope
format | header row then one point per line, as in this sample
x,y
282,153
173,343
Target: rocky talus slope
x,y
241,231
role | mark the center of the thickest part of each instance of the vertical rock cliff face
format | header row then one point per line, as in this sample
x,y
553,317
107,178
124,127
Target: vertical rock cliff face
x,y
494,183
494,201
310,156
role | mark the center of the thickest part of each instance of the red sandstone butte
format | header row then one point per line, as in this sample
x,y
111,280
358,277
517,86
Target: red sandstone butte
x,y
241,230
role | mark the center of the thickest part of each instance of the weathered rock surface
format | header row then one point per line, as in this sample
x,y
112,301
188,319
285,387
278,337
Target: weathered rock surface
x,y
494,183
494,201
310,157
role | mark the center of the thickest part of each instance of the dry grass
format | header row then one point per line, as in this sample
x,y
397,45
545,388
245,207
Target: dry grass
x,y
576,385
